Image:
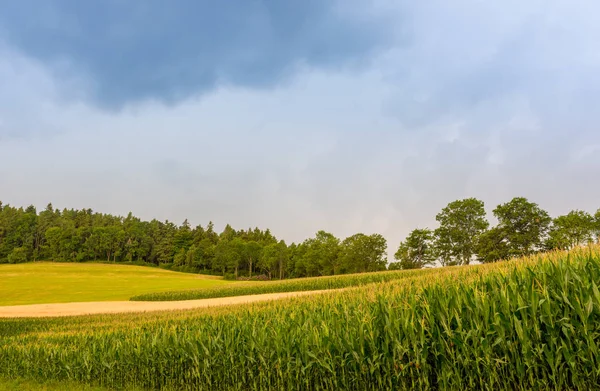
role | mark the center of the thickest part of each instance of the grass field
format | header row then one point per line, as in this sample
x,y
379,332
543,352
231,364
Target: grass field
x,y
293,285
528,324
46,282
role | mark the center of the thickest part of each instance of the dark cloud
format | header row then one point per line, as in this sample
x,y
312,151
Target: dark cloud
x,y
134,49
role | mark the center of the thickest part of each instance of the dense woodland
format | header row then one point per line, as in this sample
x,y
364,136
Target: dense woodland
x,y
463,235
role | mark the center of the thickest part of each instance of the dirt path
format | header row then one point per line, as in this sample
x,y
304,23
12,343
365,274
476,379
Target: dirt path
x,y
113,307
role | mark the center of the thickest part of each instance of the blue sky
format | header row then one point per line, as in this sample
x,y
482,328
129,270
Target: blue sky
x,y
350,116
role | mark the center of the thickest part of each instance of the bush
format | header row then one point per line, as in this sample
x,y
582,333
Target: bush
x,y
229,276
18,255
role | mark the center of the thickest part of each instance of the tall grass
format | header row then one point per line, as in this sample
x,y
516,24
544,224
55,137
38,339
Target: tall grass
x,y
528,324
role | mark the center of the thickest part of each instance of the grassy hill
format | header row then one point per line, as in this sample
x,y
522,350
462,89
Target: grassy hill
x,y
47,282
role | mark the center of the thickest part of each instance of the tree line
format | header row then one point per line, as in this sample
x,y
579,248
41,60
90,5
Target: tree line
x,y
71,235
463,235
523,228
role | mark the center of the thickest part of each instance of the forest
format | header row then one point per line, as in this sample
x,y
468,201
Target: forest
x,y
463,236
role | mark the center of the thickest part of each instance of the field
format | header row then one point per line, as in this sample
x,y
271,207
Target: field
x,y
294,285
531,323
45,282
26,385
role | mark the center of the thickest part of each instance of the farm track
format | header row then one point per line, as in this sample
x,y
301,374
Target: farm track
x,y
114,307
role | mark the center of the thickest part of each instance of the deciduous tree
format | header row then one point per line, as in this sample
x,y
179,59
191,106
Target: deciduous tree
x,y
461,222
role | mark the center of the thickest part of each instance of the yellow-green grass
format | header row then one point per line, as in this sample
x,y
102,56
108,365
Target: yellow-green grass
x,y
47,282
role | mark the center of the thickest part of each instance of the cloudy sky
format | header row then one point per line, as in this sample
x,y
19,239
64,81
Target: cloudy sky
x,y
300,115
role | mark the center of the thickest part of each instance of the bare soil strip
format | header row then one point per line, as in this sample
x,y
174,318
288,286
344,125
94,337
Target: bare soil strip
x,y
113,307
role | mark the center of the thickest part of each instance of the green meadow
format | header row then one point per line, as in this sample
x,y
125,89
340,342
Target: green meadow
x,y
47,282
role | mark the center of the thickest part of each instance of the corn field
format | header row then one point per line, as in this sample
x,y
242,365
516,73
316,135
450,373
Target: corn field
x,y
294,285
528,324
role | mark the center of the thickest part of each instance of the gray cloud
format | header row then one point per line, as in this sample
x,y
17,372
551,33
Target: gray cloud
x,y
136,50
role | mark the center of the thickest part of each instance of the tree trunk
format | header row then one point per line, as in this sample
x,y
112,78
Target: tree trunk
x,y
280,269
250,267
236,272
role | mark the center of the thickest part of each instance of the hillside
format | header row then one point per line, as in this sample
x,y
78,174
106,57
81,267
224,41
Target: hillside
x,y
46,282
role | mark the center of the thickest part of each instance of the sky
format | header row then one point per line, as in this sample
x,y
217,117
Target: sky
x,y
301,115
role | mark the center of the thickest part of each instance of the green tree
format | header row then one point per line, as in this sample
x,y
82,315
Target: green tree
x,y
573,229
597,226
461,222
227,256
525,225
180,257
18,255
183,237
363,253
273,258
321,256
251,253
492,246
416,251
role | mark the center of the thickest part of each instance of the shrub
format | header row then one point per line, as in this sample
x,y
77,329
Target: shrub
x,y
18,255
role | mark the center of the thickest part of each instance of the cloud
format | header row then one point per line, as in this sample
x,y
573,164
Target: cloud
x,y
135,50
474,99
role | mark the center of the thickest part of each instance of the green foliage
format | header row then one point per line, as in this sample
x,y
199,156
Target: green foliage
x,y
573,229
18,255
492,246
597,226
416,251
274,257
532,324
461,222
82,235
363,253
524,225
30,385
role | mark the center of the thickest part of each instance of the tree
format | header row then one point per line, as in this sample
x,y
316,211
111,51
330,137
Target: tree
x,y
363,253
18,255
416,251
165,247
492,246
226,256
180,257
321,256
251,253
273,257
573,229
461,222
395,266
183,237
597,226
524,224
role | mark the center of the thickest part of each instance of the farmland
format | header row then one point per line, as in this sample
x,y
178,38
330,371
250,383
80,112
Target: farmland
x,y
531,323
45,282
294,285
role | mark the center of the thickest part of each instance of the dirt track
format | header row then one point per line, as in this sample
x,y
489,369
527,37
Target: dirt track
x,y
112,307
